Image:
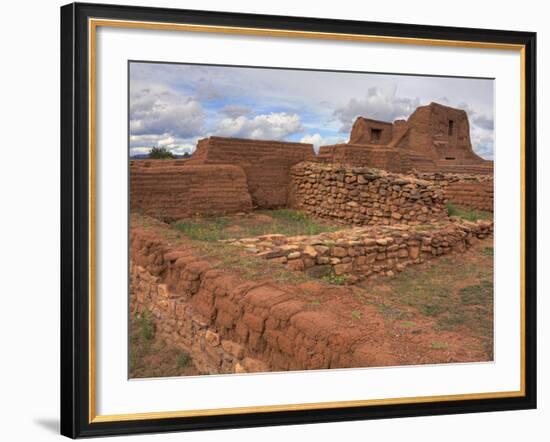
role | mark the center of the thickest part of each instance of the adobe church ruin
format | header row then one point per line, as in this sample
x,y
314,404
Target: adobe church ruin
x,y
434,140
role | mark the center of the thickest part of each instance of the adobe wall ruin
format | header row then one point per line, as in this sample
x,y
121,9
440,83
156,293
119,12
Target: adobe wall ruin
x,y
363,196
360,252
266,164
469,191
229,324
170,191
359,155
369,131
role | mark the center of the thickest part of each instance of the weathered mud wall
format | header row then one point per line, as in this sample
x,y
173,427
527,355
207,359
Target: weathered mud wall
x,y
440,132
266,164
233,325
362,155
469,191
363,196
367,131
170,191
484,167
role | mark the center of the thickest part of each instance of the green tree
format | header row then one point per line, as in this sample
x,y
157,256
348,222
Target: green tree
x,y
160,153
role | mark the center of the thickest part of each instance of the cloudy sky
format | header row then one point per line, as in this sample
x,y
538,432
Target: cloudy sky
x,y
174,105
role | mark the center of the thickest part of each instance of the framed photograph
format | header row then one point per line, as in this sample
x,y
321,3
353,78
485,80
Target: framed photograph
x,y
274,220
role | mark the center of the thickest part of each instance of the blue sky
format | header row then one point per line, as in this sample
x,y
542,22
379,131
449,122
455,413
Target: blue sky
x,y
174,105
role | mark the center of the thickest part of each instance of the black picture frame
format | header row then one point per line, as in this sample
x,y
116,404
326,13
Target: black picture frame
x,y
75,220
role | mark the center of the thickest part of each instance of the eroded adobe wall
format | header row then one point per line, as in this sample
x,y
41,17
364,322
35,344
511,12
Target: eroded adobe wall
x,y
429,133
363,196
170,191
362,155
469,191
361,252
230,324
484,167
266,164
361,131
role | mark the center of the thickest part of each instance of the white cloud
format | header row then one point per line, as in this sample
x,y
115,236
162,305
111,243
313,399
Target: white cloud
x,y
483,121
318,140
139,151
482,141
380,103
273,126
142,144
235,110
158,110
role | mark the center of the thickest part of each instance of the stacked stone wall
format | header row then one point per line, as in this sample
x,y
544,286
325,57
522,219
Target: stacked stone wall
x,y
364,196
361,252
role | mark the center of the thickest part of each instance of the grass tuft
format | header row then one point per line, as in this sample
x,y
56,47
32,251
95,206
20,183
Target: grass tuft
x,y
146,325
489,251
468,214
336,279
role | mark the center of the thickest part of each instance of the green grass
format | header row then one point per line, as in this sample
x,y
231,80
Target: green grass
x,y
232,258
476,294
335,279
391,312
204,229
439,345
150,356
356,314
468,214
294,222
438,291
489,251
146,325
141,338
284,221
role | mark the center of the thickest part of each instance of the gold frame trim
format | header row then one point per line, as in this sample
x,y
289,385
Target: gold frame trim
x,y
93,24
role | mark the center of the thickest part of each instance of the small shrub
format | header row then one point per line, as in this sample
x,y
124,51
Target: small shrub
x,y
439,345
356,314
432,309
160,153
451,321
184,360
